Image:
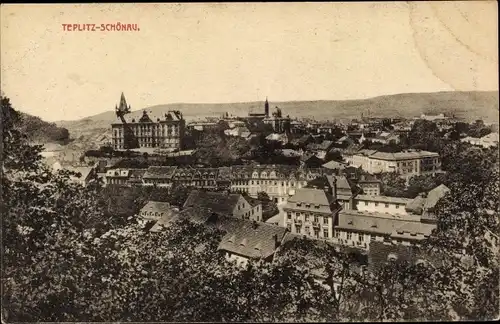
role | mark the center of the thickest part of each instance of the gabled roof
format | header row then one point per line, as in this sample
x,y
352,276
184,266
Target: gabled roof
x,y
137,173
342,183
379,253
325,145
334,165
310,199
145,118
156,207
218,202
196,214
252,239
416,205
435,195
84,171
160,172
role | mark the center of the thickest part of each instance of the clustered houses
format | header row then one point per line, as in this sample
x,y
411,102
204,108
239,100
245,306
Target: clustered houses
x,y
339,213
246,236
278,181
408,163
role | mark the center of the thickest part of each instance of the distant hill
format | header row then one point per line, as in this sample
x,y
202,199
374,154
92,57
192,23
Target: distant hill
x,y
468,105
41,132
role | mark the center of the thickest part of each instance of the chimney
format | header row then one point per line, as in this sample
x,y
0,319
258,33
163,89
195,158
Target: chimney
x,y
276,242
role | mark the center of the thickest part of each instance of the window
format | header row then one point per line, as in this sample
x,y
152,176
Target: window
x,y
325,220
289,215
372,237
397,206
386,205
336,233
297,229
307,217
349,235
316,232
366,203
360,237
325,233
315,218
376,204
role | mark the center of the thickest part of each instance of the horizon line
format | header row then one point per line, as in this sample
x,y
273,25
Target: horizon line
x,y
261,101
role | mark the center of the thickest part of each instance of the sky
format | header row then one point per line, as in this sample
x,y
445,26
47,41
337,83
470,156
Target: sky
x,y
241,52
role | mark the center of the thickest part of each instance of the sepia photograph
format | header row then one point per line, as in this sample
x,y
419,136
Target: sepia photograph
x,y
250,162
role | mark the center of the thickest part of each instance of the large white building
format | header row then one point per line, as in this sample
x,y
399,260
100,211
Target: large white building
x,y
408,163
278,181
166,131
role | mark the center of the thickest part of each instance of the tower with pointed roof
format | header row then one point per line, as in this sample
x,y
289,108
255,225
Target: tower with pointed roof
x,y
266,108
123,136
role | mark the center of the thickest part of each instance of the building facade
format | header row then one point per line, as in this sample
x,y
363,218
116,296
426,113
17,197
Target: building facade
x,y
407,164
278,181
312,212
165,131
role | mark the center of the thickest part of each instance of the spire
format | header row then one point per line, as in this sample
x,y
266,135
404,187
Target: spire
x,y
123,107
266,108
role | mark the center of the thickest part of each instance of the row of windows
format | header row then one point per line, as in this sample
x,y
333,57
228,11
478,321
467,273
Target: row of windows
x,y
268,182
307,230
308,217
386,205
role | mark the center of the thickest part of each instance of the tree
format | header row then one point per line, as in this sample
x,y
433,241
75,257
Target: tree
x,y
334,155
424,183
393,185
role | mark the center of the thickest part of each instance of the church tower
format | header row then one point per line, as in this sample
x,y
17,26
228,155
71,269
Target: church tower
x,y
266,108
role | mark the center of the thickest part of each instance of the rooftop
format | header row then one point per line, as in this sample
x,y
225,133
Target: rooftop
x,y
160,172
310,199
218,202
252,239
384,199
334,165
373,222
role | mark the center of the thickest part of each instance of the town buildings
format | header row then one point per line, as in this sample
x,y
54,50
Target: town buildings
x,y
490,140
166,131
312,212
407,163
279,123
278,181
